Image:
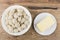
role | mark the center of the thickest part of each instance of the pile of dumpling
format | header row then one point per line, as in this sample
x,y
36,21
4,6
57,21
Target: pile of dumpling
x,y
16,20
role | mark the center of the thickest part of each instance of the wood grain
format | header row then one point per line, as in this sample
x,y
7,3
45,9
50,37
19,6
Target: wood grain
x,y
31,34
30,1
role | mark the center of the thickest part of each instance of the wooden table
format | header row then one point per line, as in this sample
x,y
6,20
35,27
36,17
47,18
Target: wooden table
x,y
31,34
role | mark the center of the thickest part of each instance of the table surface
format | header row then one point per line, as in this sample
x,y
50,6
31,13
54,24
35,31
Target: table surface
x,y
31,34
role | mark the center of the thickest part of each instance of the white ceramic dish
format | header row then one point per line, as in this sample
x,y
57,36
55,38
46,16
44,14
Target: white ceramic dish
x,y
41,16
3,20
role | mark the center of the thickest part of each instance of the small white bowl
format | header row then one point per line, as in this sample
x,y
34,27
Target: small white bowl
x,y
48,31
3,20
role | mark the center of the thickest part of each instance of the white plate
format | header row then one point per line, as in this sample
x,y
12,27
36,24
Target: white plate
x,y
48,31
3,18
